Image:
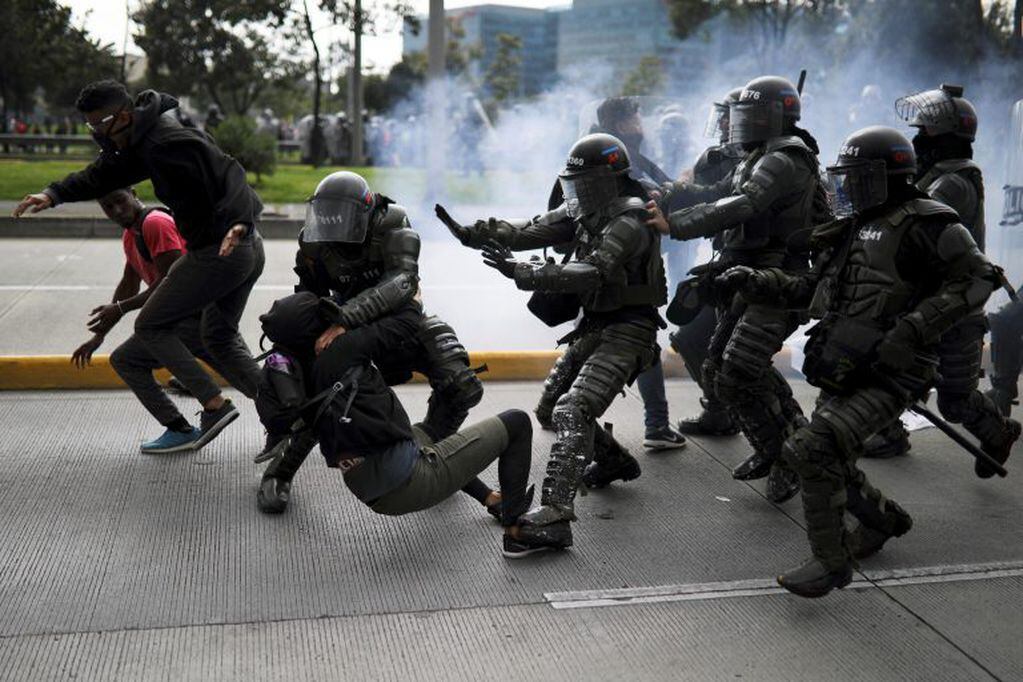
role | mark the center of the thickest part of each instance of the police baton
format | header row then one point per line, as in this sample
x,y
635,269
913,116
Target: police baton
x,y
942,425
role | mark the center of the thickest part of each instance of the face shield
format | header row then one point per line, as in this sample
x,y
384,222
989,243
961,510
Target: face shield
x,y
587,193
717,122
754,121
856,186
933,110
336,220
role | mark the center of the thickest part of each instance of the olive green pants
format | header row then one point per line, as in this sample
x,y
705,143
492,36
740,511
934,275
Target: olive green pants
x,y
443,468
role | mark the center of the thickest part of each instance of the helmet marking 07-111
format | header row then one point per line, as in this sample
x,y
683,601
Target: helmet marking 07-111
x,y
590,178
339,210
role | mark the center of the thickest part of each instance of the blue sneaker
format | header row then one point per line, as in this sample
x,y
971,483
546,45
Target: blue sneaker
x,y
172,441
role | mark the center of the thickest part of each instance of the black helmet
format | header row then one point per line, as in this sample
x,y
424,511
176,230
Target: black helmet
x,y
868,158
717,122
941,111
590,178
767,107
339,210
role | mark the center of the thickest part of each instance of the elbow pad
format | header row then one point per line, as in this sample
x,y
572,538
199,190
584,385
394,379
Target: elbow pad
x,y
378,301
572,277
773,177
706,220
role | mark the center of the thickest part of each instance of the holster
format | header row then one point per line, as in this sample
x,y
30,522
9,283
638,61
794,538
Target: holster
x,y
840,351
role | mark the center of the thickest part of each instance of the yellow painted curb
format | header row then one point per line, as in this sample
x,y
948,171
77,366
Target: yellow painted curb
x,y
40,372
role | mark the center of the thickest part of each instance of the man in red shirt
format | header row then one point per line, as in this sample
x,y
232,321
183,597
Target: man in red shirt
x,y
151,246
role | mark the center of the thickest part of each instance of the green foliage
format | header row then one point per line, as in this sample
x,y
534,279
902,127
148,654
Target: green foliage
x,y
224,51
42,49
646,79
504,74
256,152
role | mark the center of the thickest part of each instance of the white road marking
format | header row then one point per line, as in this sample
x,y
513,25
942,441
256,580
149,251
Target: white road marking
x,y
923,575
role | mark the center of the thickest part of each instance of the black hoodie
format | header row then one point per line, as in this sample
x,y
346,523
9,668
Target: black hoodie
x,y
204,187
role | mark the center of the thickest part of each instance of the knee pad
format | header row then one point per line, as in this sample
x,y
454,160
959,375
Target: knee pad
x,y
463,391
729,388
808,446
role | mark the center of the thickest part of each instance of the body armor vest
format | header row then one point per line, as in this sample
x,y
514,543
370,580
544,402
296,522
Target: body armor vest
x,y
353,268
866,285
641,280
971,173
762,240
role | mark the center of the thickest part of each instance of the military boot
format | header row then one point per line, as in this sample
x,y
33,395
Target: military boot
x,y
782,483
999,449
275,487
864,541
528,539
813,579
611,462
753,467
888,443
713,420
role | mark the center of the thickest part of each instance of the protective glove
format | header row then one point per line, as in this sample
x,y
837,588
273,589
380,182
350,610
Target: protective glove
x,y
754,285
897,350
499,257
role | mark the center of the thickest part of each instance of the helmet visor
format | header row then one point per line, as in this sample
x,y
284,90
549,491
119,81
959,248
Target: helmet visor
x,y
933,109
336,220
855,187
587,193
753,121
717,122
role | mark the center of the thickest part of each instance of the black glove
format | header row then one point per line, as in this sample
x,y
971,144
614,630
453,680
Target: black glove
x,y
499,257
461,233
897,350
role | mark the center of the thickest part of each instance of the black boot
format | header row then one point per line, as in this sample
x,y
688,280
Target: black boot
x,y
865,542
887,444
532,539
713,420
813,579
999,450
753,467
273,495
782,484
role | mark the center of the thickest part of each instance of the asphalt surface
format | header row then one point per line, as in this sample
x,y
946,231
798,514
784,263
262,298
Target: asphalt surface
x,y
116,565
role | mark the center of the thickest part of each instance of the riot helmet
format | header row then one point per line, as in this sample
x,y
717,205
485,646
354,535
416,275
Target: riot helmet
x,y
767,107
717,121
868,162
940,112
590,179
339,211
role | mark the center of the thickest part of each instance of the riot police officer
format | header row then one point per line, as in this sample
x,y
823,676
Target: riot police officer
x,y
359,254
946,126
616,277
888,283
773,193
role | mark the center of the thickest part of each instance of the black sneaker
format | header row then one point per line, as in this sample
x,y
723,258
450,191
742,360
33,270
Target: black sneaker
x,y
753,467
599,475
212,422
666,438
879,446
275,444
999,451
535,539
813,580
273,495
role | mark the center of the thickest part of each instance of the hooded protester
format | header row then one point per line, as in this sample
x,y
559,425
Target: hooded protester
x,y
215,211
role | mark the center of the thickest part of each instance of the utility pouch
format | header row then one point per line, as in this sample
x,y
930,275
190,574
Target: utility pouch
x,y
554,309
686,303
838,352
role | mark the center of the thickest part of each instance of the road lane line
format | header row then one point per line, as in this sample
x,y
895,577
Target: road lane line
x,y
922,575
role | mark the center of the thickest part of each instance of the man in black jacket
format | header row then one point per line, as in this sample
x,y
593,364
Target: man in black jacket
x,y
215,211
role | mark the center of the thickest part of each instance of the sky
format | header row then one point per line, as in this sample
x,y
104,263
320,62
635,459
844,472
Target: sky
x,y
105,19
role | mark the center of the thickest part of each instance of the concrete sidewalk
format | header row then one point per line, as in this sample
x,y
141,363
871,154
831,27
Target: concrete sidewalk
x,y
121,566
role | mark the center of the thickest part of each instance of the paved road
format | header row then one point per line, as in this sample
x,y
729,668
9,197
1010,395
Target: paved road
x,y
119,566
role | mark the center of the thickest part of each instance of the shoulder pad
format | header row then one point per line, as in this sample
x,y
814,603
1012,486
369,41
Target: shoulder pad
x,y
395,218
927,208
787,142
956,165
624,205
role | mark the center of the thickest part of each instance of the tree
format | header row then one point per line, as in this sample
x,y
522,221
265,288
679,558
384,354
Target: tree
x,y
504,74
224,51
42,50
646,79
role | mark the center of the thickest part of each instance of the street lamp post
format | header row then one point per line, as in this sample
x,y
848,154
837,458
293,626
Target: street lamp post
x,y
436,148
